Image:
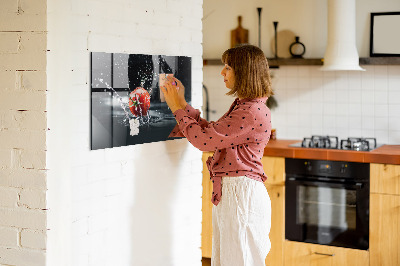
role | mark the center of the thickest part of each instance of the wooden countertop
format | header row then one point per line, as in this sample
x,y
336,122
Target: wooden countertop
x,y
389,154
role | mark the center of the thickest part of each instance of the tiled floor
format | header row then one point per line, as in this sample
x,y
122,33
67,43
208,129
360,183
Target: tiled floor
x,y
206,261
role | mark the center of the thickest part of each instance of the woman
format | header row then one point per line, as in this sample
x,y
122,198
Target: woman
x,y
242,208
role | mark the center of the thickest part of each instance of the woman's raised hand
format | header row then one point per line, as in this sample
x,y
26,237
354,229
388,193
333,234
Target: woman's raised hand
x,y
181,91
174,93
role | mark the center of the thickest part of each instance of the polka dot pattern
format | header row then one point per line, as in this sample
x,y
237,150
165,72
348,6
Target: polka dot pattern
x,y
238,139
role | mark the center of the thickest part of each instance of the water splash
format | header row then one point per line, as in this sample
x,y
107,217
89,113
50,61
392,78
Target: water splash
x,y
130,120
119,99
134,126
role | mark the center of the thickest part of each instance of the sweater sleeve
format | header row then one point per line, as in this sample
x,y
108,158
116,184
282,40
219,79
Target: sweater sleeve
x,y
193,113
229,131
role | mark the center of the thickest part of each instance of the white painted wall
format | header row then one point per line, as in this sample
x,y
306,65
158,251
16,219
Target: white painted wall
x,y
23,133
136,205
344,103
306,19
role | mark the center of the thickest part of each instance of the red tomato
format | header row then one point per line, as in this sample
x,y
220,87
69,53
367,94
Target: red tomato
x,y
139,101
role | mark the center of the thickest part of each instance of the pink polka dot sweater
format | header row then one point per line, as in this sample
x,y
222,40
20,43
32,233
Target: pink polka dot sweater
x,y
238,139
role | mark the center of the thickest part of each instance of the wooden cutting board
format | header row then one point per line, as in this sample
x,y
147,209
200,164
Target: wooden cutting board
x,y
239,35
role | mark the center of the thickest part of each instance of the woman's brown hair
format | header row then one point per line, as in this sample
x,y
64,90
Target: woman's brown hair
x,y
250,66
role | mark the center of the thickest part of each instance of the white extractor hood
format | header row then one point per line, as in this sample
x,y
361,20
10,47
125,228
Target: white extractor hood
x,y
341,51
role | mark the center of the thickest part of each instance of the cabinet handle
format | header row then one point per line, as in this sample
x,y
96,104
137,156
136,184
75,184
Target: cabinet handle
x,y
324,254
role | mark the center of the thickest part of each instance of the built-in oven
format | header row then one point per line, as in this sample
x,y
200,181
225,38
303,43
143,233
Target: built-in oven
x,y
327,202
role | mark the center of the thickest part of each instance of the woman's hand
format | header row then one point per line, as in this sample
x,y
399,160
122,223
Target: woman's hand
x,y
174,94
181,91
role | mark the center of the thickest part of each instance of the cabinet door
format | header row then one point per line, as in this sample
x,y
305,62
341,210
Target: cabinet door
x,y
206,226
385,178
384,230
277,233
274,168
304,254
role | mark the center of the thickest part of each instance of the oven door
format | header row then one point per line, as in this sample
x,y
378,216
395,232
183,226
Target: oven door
x,y
327,213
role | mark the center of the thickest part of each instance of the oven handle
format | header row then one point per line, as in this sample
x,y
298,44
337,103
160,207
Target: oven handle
x,y
357,185
324,254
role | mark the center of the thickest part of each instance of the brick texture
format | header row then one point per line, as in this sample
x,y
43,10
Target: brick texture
x,y
23,178
9,237
8,197
23,218
33,239
33,199
44,124
17,256
23,125
112,188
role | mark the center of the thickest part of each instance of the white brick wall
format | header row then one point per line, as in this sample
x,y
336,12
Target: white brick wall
x,y
9,237
11,256
92,196
135,205
23,126
23,218
33,239
8,197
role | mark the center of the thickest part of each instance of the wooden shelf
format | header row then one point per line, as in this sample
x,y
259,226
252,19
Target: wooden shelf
x,y
212,62
273,63
380,61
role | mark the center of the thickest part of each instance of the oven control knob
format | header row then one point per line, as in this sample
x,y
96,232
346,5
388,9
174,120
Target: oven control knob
x,y
343,168
308,166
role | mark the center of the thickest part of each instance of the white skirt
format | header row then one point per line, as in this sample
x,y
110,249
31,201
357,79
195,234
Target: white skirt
x,y
241,223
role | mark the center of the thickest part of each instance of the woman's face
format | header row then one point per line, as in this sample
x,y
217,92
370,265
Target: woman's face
x,y
229,76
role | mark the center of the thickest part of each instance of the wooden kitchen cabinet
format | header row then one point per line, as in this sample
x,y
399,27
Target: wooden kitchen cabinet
x,y
277,233
206,225
274,168
385,215
384,236
385,178
305,254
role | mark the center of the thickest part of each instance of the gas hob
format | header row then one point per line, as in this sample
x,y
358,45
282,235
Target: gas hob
x,y
332,142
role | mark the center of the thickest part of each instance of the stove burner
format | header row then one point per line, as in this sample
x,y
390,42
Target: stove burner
x,y
332,142
358,144
328,142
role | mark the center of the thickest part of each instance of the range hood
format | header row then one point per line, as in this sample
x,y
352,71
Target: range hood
x,y
341,51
